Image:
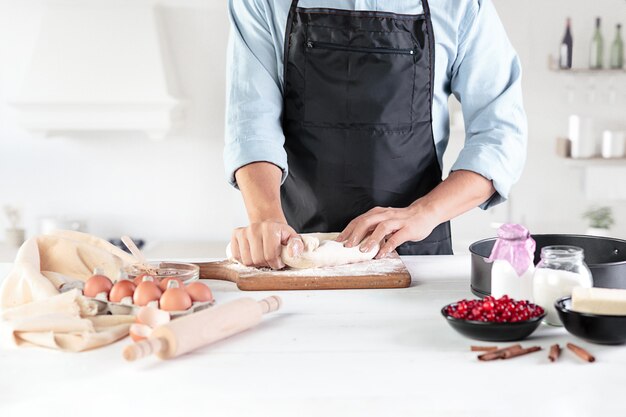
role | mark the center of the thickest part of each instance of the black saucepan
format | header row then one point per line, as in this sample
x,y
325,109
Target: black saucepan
x,y
606,258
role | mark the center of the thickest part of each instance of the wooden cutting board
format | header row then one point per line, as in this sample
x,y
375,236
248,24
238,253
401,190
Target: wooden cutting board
x,y
388,272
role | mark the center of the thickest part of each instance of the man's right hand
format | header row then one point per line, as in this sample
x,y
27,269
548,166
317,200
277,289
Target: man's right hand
x,y
260,244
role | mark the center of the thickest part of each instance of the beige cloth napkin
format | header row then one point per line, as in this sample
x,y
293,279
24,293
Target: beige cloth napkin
x,y
33,310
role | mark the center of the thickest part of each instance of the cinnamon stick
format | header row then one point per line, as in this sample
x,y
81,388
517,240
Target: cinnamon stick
x,y
498,354
555,352
581,353
519,352
483,348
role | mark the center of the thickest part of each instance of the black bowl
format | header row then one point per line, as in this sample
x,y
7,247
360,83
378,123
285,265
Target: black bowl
x,y
605,256
595,328
493,332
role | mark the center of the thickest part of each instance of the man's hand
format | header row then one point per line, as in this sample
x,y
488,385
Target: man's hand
x,y
460,192
397,225
260,244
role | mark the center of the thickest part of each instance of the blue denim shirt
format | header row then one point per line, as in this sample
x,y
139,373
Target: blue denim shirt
x,y
474,60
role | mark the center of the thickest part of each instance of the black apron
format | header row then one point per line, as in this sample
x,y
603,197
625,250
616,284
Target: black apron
x,y
357,118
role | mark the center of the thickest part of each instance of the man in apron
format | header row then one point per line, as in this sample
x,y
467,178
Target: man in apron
x,y
337,120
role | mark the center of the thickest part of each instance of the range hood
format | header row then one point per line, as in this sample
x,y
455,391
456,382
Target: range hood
x,y
97,67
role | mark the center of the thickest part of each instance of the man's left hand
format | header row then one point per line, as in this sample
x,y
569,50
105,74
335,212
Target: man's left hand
x,y
396,225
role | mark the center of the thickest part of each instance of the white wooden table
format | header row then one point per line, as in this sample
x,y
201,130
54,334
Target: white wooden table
x,y
327,353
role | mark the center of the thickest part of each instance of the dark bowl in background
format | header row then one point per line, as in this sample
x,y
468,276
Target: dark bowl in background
x,y
605,256
595,328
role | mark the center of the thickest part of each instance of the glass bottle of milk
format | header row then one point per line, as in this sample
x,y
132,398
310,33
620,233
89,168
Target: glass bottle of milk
x,y
561,269
513,267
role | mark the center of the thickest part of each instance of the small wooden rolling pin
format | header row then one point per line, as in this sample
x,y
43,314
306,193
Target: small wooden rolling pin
x,y
199,329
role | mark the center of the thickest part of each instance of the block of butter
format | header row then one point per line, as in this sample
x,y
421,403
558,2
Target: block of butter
x,y
599,301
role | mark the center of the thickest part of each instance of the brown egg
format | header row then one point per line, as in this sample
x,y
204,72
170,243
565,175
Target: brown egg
x,y
96,285
139,278
174,298
164,281
121,289
199,292
145,292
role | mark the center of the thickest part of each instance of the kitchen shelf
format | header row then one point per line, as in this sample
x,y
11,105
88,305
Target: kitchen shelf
x,y
588,71
585,162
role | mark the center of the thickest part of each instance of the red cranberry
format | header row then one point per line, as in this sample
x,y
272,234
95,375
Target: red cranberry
x,y
488,305
490,309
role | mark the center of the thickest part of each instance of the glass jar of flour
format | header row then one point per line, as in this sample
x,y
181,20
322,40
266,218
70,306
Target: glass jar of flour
x,y
561,269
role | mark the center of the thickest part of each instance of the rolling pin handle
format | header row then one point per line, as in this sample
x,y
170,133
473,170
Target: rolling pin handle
x,y
144,348
270,304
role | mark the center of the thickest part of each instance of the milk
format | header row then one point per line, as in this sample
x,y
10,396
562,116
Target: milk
x,y
505,281
512,256
551,284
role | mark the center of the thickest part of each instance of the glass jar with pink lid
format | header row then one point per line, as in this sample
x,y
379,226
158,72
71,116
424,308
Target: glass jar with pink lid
x,y
513,267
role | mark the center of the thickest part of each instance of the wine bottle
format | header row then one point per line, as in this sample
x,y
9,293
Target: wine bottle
x,y
565,53
596,52
617,50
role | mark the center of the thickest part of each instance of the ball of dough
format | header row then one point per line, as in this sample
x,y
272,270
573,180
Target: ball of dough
x,y
321,249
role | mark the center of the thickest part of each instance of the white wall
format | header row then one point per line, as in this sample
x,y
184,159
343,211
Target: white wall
x,y
177,190
89,177
550,196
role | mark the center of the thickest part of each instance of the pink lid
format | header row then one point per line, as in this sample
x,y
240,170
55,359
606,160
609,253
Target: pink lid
x,y
515,246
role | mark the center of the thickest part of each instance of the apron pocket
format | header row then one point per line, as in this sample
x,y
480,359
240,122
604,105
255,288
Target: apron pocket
x,y
354,85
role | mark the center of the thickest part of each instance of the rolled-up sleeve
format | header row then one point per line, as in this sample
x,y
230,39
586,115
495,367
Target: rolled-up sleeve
x,y
253,91
486,79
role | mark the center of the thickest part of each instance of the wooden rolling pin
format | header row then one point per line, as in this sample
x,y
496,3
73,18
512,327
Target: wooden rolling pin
x,y
199,329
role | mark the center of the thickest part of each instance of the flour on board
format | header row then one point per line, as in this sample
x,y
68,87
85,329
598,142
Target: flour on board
x,y
373,267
